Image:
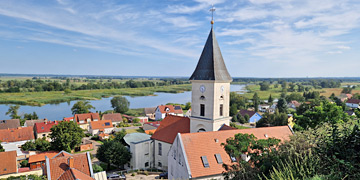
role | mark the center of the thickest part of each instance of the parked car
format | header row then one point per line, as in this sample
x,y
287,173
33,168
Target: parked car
x,y
163,175
117,177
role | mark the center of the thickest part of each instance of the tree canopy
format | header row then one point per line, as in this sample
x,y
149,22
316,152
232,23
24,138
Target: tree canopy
x,y
81,107
13,112
113,152
66,136
120,104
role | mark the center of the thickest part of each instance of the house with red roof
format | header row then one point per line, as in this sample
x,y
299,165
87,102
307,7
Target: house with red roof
x,y
163,110
13,139
66,166
201,155
42,129
38,160
83,120
165,135
353,103
99,127
68,119
8,163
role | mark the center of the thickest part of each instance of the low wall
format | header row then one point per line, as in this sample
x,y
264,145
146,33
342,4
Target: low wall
x,y
34,172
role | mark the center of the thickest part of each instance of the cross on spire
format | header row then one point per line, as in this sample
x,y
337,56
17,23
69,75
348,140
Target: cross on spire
x,y
212,14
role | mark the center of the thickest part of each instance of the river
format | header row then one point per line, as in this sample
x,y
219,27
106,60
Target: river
x,y
61,110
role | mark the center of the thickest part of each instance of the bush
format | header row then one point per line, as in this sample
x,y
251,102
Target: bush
x,y
97,168
24,163
87,134
95,138
137,124
133,174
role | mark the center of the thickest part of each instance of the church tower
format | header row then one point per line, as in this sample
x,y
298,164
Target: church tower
x,y
210,89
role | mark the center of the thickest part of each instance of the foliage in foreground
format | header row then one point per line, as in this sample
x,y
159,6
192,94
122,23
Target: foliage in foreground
x,y
329,151
66,136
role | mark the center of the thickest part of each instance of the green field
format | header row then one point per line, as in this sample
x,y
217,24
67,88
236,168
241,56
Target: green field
x,y
42,98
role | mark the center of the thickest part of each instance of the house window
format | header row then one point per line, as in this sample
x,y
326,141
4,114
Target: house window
x,y
159,164
147,164
202,109
205,161
160,149
221,109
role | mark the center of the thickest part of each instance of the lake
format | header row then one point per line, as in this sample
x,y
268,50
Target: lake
x,y
61,110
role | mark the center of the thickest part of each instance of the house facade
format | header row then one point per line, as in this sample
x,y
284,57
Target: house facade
x,y
163,110
115,118
83,120
43,129
13,139
38,160
253,116
141,148
353,103
99,127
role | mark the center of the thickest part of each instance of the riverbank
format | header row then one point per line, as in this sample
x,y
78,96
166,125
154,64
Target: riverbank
x,y
53,97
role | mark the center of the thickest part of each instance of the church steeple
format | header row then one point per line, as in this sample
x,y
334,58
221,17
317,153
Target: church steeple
x,y
211,64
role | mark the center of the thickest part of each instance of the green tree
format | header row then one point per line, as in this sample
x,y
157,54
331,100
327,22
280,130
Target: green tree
x,y
270,100
81,107
30,116
264,86
246,118
40,144
120,104
97,168
295,96
187,106
282,105
113,152
256,102
24,163
119,136
13,112
66,136
233,110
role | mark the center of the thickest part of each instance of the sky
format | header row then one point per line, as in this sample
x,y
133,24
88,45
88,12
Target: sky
x,y
258,38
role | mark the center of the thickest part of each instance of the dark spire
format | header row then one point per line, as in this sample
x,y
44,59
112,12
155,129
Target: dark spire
x,y
211,65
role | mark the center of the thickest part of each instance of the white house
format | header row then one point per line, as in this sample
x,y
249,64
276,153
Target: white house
x,y
165,135
99,127
201,155
162,111
141,148
353,103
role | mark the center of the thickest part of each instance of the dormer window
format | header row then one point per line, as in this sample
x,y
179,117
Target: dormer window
x,y
167,109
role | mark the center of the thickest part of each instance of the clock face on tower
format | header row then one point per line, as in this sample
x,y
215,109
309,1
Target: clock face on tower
x,y
222,89
202,88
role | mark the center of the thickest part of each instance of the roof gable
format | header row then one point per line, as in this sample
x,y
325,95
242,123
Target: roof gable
x,y
19,134
41,156
11,123
44,127
101,124
170,126
82,117
243,112
115,117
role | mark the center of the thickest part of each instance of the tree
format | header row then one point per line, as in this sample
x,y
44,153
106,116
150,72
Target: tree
x,y
119,136
120,104
282,105
270,100
187,106
81,107
13,112
38,145
256,102
113,152
233,110
264,86
295,96
31,116
66,136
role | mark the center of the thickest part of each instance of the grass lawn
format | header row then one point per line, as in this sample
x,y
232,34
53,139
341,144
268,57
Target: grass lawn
x,y
139,130
42,98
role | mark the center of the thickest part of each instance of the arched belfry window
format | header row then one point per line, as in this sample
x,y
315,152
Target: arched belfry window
x,y
202,97
201,130
221,97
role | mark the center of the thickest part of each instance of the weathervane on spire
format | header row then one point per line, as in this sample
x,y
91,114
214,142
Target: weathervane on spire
x,y
212,14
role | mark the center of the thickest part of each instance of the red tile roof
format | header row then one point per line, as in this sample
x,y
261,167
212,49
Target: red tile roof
x,y
82,117
170,126
69,119
115,117
19,134
8,162
353,101
44,127
295,103
209,143
226,127
41,156
74,174
101,124
170,109
59,166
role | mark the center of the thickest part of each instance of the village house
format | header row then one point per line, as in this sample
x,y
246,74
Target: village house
x,y
68,119
150,112
12,139
263,107
42,129
99,127
83,120
253,116
293,104
69,166
8,163
38,160
9,124
164,137
343,97
141,147
353,103
31,123
201,155
115,118
163,110
188,113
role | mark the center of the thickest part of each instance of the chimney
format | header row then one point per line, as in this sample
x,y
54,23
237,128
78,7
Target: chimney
x,y
46,120
71,162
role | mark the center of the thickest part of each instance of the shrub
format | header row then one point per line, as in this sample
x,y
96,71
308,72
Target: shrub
x,y
24,163
97,168
133,174
137,124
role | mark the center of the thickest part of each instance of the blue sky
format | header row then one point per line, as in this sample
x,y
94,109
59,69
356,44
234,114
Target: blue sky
x,y
258,38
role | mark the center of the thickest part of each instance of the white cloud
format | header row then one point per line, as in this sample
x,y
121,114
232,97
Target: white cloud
x,y
180,21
